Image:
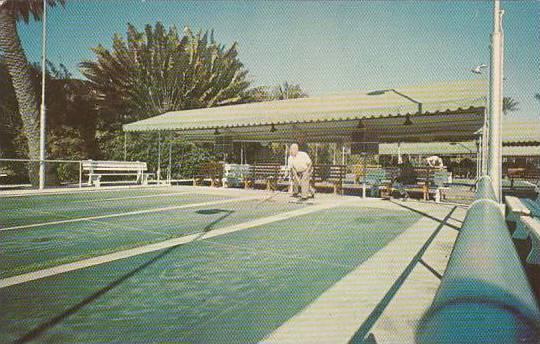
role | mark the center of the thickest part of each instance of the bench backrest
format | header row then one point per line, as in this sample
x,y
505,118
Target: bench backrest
x,y
375,175
97,165
211,169
265,170
432,175
441,178
329,172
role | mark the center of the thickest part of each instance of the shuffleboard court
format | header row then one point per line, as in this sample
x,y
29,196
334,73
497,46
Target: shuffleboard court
x,y
57,208
30,249
237,287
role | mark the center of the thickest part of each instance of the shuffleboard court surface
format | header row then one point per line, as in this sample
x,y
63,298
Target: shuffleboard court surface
x,y
68,206
30,249
237,287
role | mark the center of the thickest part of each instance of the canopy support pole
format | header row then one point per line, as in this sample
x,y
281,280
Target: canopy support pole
x,y
241,153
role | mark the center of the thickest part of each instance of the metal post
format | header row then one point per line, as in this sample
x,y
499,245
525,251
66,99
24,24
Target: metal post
x,y
125,145
80,174
478,157
169,172
42,117
159,158
495,100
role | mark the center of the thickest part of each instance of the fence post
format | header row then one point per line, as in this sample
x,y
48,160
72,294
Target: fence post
x,y
80,174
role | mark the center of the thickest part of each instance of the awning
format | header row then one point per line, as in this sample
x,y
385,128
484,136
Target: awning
x,y
447,148
521,132
450,111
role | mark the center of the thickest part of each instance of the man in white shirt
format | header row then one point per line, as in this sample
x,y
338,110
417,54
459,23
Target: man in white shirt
x,y
301,168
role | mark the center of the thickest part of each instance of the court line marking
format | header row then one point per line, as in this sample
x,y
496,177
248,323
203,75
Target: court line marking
x,y
356,294
54,192
137,212
85,263
132,197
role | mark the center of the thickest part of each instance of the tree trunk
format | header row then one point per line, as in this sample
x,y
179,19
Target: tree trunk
x,y
21,76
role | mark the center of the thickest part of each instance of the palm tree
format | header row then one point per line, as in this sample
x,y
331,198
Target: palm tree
x,y
19,69
510,105
158,70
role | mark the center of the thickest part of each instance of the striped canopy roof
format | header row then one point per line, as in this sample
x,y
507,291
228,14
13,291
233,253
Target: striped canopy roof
x,y
450,111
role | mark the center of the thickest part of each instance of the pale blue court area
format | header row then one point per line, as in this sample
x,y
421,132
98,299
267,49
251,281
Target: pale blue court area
x,y
203,265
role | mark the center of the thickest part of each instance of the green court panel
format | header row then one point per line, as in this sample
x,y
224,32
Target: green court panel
x,y
233,288
30,249
14,202
48,211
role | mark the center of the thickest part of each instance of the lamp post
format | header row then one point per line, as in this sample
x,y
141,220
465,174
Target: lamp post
x,y
462,145
42,115
380,92
495,100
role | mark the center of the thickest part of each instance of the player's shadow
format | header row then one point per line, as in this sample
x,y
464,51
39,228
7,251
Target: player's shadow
x,y
226,213
39,330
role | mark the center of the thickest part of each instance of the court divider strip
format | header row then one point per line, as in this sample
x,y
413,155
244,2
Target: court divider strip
x,y
85,263
133,197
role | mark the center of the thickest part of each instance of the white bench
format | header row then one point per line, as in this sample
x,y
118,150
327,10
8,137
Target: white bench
x,y
515,208
97,169
531,226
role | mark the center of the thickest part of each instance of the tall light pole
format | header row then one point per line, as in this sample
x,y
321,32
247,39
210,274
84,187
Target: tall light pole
x,y
494,166
42,116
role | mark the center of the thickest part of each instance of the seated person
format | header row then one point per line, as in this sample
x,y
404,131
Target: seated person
x,y
435,161
407,176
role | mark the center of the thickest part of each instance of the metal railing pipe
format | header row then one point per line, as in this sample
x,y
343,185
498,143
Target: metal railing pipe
x,y
484,295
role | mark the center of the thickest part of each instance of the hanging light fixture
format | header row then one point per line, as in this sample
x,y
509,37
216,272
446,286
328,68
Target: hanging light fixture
x,y
407,120
273,128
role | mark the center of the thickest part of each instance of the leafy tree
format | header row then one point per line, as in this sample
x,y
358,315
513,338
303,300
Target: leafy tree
x,y
510,105
279,92
158,70
19,69
71,119
288,91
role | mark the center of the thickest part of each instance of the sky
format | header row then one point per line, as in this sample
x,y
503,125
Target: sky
x,y
325,46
